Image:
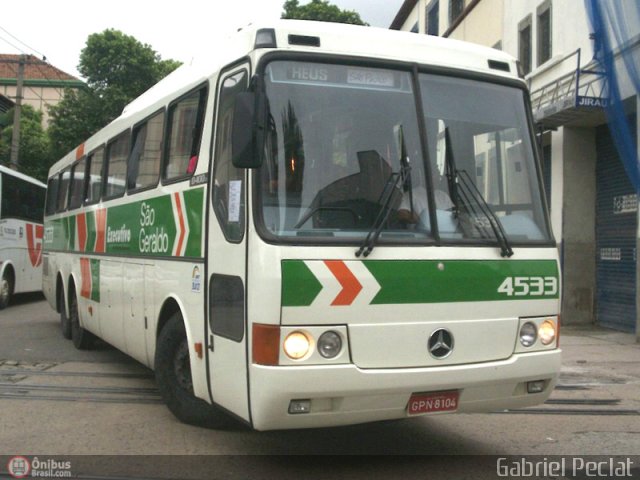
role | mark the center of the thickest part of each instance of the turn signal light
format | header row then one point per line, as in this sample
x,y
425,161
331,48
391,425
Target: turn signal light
x,y
266,344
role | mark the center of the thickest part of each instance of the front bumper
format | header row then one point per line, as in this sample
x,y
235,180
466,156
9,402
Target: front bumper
x,y
345,394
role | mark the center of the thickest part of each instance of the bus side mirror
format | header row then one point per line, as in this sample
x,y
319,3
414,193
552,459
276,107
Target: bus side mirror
x,y
244,151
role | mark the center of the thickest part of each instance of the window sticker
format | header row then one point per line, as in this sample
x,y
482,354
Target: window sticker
x,y
235,191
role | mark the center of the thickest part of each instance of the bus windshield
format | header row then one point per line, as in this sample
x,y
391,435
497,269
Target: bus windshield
x,y
336,166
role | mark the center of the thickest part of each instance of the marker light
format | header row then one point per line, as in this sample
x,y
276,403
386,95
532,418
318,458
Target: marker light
x,y
265,38
547,332
528,334
266,344
297,345
329,344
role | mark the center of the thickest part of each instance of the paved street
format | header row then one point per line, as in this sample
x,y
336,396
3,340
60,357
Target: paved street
x,y
55,400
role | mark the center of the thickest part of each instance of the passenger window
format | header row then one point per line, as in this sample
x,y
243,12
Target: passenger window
x,y
228,192
94,187
77,183
144,160
21,199
117,153
52,195
63,190
184,133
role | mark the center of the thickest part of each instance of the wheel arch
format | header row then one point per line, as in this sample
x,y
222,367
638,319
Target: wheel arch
x,y
9,269
170,307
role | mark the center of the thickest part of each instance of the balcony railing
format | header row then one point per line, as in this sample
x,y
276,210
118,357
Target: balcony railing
x,y
570,97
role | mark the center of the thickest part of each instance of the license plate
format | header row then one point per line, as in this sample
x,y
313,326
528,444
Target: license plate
x,y
421,403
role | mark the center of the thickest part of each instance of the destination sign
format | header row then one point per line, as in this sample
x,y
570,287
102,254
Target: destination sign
x,y
307,73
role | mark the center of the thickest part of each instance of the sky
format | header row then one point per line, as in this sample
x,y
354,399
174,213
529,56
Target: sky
x,y
178,30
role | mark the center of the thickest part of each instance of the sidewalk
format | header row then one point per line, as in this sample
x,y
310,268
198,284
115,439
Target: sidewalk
x,y
600,372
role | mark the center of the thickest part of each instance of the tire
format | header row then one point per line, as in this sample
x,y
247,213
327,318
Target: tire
x,y
82,339
6,290
65,322
173,377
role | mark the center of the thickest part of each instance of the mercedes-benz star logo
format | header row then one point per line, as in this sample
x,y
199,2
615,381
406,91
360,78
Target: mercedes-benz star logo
x,y
441,343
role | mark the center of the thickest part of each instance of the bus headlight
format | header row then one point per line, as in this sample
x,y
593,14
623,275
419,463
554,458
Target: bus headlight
x,y
329,344
547,332
528,334
297,345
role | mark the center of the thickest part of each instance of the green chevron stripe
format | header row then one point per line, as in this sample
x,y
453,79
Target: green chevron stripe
x,y
300,286
193,203
91,232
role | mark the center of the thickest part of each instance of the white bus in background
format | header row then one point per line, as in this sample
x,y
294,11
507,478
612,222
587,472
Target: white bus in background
x,y
21,213
316,227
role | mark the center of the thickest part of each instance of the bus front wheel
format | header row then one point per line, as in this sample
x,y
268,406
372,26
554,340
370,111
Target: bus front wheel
x,y
173,377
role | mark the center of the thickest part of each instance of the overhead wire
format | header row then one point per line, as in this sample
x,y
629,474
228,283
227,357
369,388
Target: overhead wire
x,y
38,65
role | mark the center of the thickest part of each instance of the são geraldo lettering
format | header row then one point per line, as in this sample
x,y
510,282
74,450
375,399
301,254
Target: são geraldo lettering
x,y
152,239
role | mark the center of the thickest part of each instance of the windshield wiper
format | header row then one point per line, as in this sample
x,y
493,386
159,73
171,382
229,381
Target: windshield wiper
x,y
465,193
403,177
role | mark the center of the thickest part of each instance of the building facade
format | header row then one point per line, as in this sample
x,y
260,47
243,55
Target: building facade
x,y
43,84
592,200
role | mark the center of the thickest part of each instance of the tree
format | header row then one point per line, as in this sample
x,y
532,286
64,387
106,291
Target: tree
x,y
35,155
79,115
320,10
118,68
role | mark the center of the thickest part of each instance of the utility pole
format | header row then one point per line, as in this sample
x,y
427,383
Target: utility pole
x,y
15,140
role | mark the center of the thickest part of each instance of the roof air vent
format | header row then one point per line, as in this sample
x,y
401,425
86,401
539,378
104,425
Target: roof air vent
x,y
304,40
496,65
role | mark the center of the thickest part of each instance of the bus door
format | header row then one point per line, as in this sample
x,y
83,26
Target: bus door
x,y
226,257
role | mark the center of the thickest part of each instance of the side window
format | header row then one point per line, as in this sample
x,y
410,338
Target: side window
x,y
52,195
94,186
37,200
183,135
524,44
144,160
63,190
117,153
21,199
228,191
77,183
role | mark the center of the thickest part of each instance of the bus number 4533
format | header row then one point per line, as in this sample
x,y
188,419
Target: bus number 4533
x,y
529,286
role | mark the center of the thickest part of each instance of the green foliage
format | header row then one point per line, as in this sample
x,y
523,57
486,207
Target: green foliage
x,y
35,155
118,68
320,10
78,116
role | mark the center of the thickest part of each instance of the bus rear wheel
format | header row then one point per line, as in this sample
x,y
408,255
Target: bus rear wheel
x,y
82,339
174,380
65,322
6,290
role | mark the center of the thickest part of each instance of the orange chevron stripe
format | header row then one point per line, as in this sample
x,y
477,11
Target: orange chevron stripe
x,y
101,230
351,287
81,223
182,232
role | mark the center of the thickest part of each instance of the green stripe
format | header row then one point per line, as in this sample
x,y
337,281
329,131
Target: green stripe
x,y
193,203
71,231
454,281
146,227
300,286
91,232
436,281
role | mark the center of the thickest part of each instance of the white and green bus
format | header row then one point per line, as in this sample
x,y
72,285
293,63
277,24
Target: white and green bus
x,y
319,225
21,216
